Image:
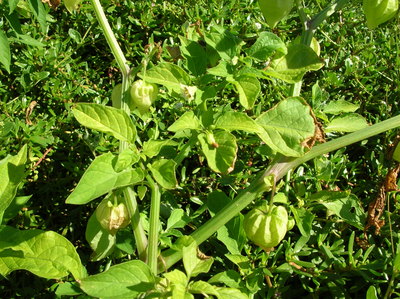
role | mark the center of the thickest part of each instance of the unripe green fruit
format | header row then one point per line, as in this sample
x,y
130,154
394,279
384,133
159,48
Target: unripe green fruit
x,y
266,230
275,10
142,95
112,217
379,11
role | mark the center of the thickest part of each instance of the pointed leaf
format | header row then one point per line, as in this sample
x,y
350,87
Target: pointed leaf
x,y
232,121
38,10
231,293
195,55
286,126
292,67
45,254
266,45
221,155
167,74
5,53
202,287
347,123
106,119
225,43
340,106
100,178
192,263
163,171
248,88
12,171
125,280
152,148
187,121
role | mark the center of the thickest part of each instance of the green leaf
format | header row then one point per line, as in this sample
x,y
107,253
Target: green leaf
x,y
343,205
177,277
167,74
12,4
232,121
225,43
163,171
286,126
196,57
379,11
15,206
177,219
346,123
125,280
266,45
396,153
113,121
202,287
304,220
192,263
248,88
100,178
71,5
126,159
45,254
12,172
230,278
292,67
232,234
220,156
187,121
371,293
99,239
152,148
340,106
5,53
38,10
231,293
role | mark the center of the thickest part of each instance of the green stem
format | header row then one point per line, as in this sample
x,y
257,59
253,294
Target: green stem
x,y
110,37
154,224
140,235
278,169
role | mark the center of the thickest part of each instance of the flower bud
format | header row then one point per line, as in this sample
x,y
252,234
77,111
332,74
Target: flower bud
x,y
112,217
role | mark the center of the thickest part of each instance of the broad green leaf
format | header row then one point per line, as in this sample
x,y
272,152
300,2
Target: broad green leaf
x,y
192,263
27,40
167,74
340,106
99,239
45,254
100,178
232,233
113,121
177,219
230,278
187,121
266,45
371,293
12,171
38,10
152,148
12,4
221,156
343,205
304,220
196,57
126,159
286,126
5,53
379,11
231,293
202,287
163,171
292,67
346,123
248,88
177,277
15,206
71,5
225,43
66,288
125,280
241,261
222,69
232,121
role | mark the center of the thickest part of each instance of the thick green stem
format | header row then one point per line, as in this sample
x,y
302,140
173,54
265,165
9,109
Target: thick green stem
x,y
110,37
152,253
278,169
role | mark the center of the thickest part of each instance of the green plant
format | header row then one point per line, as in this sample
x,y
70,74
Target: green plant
x,y
215,66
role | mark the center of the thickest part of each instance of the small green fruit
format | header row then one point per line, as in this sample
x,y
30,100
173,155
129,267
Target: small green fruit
x,y
266,230
142,95
112,217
